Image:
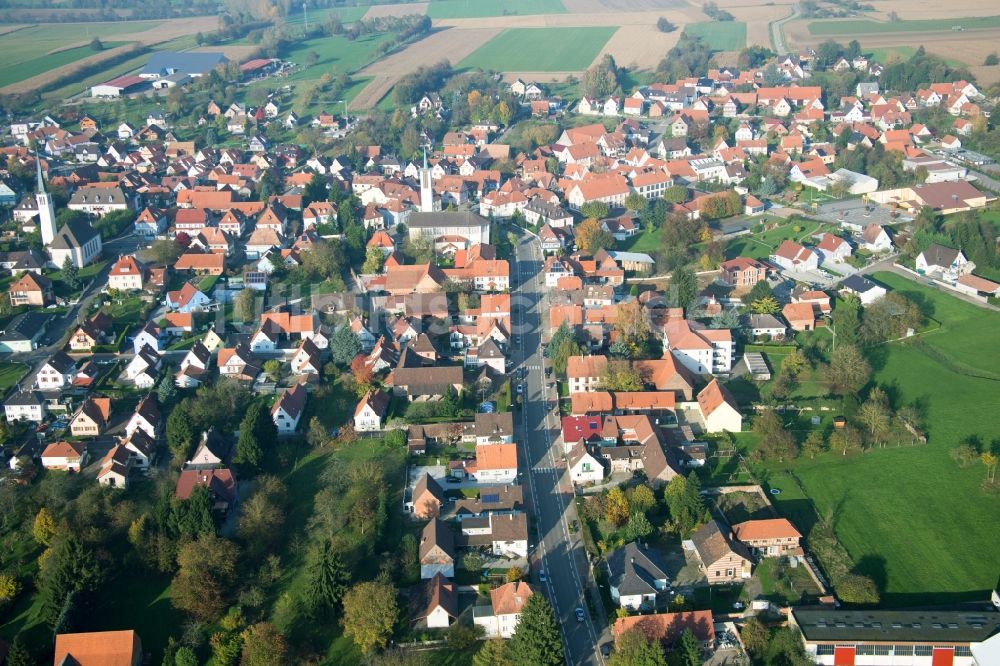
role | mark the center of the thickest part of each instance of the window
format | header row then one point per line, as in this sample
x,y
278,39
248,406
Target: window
x,y
922,651
824,650
730,572
883,650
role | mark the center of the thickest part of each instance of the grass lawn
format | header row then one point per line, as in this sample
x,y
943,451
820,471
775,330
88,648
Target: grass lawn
x,y
890,54
541,49
909,516
648,241
866,26
720,35
762,245
439,9
10,374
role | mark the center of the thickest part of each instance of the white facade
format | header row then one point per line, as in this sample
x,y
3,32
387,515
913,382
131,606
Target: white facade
x,y
497,626
367,420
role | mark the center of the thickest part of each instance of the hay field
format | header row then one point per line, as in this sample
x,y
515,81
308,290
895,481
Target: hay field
x,y
542,49
641,46
854,27
451,44
489,8
404,9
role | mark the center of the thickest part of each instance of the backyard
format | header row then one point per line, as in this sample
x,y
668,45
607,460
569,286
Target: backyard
x,y
540,49
762,242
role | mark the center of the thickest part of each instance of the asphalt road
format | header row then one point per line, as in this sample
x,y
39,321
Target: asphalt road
x,y
778,34
559,552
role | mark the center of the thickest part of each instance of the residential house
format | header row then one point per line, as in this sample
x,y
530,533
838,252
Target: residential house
x,y
876,239
239,363
426,498
25,406
144,368
500,618
719,410
194,366
437,550
288,408
213,452
371,411
147,417
434,604
636,575
31,289
723,559
67,456
794,257
867,291
770,537
188,299
743,272
761,325
501,535
800,316
127,274
92,332
495,463
584,466
116,465
91,419
23,332
56,373
945,262
833,249
220,483
99,648
666,628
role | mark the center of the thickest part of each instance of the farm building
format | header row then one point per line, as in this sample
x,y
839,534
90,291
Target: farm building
x,y
123,85
193,63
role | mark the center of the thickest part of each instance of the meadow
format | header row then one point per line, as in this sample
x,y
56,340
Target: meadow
x,y
29,68
447,9
866,26
318,16
908,515
540,49
720,35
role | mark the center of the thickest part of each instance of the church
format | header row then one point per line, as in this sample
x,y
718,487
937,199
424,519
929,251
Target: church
x,y
76,240
446,229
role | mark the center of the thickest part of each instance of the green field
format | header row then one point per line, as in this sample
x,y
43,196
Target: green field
x,y
10,374
27,69
541,49
891,54
318,16
866,26
909,516
720,35
441,9
761,245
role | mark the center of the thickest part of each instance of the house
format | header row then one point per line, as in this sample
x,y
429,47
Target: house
x,y
584,467
437,550
494,499
719,410
144,368
99,648
371,411
495,463
793,257
761,325
68,456
833,249
699,349
91,419
31,289
500,618
127,274
867,291
239,363
194,366
742,272
91,332
434,604
23,332
287,409
187,299
947,262
220,483
876,239
424,382
770,537
307,359
116,465
800,316
503,535
146,417
212,452
25,406
723,559
636,575
427,498
148,336
56,373
666,628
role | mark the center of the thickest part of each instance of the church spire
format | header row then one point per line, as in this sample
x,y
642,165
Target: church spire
x,y
38,168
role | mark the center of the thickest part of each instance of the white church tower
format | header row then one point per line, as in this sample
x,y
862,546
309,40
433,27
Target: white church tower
x,y
46,212
426,188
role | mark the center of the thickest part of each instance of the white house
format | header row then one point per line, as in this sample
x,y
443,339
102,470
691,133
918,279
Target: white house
x,y
57,373
288,408
636,576
68,456
500,618
876,239
25,406
948,262
794,257
719,410
144,368
583,466
833,248
371,411
860,286
495,463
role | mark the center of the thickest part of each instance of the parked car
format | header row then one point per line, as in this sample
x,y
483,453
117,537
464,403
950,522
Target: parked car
x,y
579,614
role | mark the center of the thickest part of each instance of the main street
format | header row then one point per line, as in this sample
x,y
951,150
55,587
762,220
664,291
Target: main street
x,y
559,552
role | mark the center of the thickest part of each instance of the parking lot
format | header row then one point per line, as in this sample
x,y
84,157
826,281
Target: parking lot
x,y
856,212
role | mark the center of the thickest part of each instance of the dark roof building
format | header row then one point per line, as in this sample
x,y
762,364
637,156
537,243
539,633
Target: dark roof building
x,y
193,63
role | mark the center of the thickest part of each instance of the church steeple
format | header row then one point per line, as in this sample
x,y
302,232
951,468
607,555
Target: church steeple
x,y
426,188
46,211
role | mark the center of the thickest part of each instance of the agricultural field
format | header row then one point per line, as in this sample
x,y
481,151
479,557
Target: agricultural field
x,y
541,49
640,46
318,16
871,498
443,9
26,69
720,35
866,26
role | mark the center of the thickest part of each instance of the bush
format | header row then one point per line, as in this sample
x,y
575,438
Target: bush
x,y
992,59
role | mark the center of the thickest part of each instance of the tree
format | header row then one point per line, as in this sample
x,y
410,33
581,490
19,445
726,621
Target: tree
x,y
989,461
766,305
263,645
991,60
44,528
374,259
621,376
815,444
494,652
326,580
536,639
256,431
755,637
562,345
846,440
636,202
632,324
760,290
847,321
164,251
848,371
70,274
633,649
638,527
776,443
69,571
272,368
96,44
663,25
514,574
856,589
344,346
18,655
166,390
795,363
683,498
683,288
10,587
590,237
686,651
205,577
370,613
616,507
875,415
180,431
641,498
595,210
244,305
473,561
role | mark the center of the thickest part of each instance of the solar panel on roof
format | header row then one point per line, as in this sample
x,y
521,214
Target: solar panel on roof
x,y
491,499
